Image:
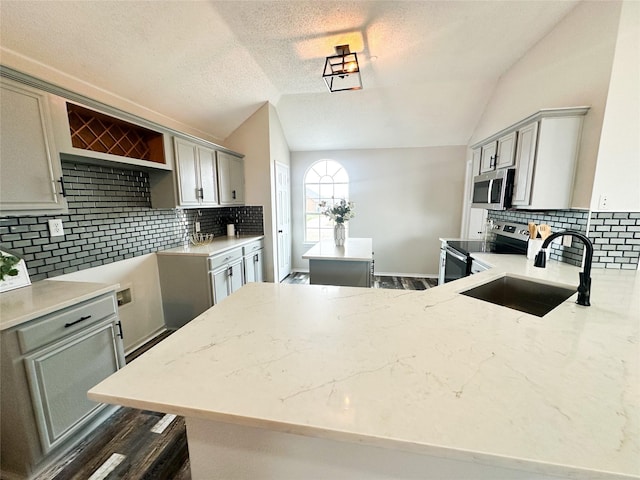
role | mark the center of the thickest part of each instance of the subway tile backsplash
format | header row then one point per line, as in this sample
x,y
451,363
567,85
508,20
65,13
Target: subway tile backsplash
x,y
615,235
110,219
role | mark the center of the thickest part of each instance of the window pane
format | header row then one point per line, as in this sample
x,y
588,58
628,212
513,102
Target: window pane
x,y
326,234
341,191
312,235
312,190
325,222
312,176
341,176
333,167
326,190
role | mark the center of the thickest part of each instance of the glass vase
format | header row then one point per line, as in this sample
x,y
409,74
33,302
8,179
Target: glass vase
x,y
339,234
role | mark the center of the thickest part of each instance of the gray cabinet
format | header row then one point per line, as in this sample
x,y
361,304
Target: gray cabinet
x,y
499,153
30,172
253,262
230,179
226,273
193,282
48,365
546,160
196,174
544,149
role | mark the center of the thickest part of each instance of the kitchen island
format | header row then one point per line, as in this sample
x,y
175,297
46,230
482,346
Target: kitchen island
x,y
348,266
308,381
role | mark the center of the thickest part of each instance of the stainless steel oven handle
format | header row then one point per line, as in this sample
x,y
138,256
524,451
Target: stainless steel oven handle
x,y
455,254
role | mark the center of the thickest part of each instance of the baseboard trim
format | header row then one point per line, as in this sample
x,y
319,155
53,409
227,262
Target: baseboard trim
x,y
408,275
147,339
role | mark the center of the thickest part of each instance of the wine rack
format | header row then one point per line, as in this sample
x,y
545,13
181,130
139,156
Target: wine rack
x,y
97,132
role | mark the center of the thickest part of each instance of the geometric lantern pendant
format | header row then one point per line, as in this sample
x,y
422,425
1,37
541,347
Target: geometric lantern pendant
x,y
341,71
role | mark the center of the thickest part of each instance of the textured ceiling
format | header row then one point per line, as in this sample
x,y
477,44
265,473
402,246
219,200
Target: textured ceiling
x,y
211,64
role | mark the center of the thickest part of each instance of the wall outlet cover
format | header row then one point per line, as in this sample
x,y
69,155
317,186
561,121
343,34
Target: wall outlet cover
x,y
566,240
55,227
602,204
197,227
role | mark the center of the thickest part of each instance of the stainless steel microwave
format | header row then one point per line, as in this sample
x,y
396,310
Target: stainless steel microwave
x,y
493,190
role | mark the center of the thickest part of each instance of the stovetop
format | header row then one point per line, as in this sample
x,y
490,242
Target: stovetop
x,y
506,238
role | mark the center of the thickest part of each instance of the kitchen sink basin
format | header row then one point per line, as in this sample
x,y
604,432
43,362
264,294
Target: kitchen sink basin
x,y
524,295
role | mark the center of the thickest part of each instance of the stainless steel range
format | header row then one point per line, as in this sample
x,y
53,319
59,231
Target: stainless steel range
x,y
505,238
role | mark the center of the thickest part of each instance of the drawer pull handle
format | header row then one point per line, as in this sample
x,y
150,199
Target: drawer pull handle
x,y
82,319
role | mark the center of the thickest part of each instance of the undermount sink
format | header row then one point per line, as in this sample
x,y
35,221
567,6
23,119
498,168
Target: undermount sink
x,y
524,295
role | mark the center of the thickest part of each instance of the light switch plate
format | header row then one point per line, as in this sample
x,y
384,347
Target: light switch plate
x,y
55,227
197,227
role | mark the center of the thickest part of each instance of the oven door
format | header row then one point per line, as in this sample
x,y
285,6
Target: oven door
x,y
456,265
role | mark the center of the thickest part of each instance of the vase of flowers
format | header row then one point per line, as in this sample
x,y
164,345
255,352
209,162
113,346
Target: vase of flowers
x,y
340,212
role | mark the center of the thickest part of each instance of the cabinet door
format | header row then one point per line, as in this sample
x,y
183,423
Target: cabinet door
x,y
236,275
258,266
60,376
208,179
188,172
525,163
506,151
488,157
230,179
253,267
220,284
475,161
29,163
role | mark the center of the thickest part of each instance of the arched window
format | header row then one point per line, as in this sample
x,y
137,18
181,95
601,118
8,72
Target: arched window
x,y
325,180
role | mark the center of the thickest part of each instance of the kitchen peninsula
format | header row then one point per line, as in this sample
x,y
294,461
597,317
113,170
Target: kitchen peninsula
x,y
309,381
348,266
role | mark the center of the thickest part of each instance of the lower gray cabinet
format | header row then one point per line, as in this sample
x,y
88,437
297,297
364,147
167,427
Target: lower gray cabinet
x,y
48,365
226,274
253,262
195,280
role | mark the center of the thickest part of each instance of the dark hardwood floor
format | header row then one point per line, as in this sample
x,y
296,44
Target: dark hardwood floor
x,y
138,444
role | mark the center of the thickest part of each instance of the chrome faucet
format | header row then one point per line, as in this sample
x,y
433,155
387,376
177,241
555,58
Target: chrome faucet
x,y
584,289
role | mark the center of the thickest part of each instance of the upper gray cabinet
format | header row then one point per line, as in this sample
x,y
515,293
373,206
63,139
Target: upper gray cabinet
x,y
206,177
543,148
230,179
499,153
195,174
546,160
30,172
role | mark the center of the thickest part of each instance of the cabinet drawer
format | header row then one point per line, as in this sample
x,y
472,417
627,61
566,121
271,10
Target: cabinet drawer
x,y
52,327
253,246
218,261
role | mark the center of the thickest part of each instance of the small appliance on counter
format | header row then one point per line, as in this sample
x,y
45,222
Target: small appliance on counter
x,y
455,255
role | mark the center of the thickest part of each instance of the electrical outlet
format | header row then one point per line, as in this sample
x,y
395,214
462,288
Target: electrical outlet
x,y
602,205
566,240
55,228
197,227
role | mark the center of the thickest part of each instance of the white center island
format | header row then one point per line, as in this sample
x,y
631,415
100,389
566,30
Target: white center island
x,y
317,382
350,265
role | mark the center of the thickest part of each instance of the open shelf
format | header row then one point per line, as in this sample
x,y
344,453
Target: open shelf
x,y
98,132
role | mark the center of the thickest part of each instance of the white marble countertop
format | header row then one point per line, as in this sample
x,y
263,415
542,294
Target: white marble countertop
x,y
44,297
354,249
217,245
430,371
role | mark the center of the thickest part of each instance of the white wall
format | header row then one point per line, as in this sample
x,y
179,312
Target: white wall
x,y
262,141
143,317
405,199
618,170
570,66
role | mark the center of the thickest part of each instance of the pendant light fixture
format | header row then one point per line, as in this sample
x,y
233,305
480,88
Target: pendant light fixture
x,y
341,71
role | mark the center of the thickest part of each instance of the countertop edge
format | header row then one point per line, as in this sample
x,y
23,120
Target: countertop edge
x,y
101,289
203,250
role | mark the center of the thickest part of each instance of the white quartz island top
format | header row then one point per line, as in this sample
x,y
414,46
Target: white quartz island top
x,y
432,372
354,249
217,245
43,297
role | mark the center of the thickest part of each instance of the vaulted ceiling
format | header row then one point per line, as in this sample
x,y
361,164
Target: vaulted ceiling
x,y
428,67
